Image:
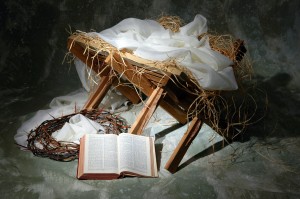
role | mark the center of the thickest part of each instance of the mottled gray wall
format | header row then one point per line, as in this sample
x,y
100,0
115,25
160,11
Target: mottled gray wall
x,y
33,36
33,33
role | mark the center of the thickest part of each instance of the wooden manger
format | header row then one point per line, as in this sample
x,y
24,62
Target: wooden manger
x,y
132,75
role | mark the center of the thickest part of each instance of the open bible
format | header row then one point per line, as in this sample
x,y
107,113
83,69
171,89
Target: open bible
x,y
110,156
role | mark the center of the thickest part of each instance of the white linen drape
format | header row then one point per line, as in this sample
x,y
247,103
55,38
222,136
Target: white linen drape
x,y
149,40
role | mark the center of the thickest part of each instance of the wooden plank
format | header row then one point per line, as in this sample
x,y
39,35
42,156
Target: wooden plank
x,y
158,81
96,64
132,59
135,60
174,110
125,69
147,111
183,145
78,47
96,98
130,93
157,77
93,42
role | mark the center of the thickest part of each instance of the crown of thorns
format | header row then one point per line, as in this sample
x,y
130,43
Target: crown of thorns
x,y
41,143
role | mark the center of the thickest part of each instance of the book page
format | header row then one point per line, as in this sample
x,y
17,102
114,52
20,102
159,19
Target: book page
x,y
134,154
101,153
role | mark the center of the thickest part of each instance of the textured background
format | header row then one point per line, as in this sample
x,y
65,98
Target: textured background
x,y
33,38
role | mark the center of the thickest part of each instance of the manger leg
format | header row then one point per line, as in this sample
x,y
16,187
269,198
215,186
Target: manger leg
x,y
147,111
96,98
183,145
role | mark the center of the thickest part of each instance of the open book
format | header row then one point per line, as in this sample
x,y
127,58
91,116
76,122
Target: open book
x,y
110,156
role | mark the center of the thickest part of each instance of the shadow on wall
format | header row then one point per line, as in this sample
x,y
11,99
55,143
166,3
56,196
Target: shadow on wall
x,y
282,117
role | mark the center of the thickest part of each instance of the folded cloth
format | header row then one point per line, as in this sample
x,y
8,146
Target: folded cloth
x,y
149,40
77,126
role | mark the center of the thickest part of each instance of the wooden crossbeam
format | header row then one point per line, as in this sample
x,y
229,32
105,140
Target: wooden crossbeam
x,y
124,68
98,65
94,63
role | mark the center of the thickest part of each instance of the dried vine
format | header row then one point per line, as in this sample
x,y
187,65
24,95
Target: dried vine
x,y
41,143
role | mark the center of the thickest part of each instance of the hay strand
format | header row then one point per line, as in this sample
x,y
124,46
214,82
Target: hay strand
x,y
172,23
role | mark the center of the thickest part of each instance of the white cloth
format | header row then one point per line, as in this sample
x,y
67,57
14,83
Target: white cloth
x,y
83,73
149,40
77,126
58,107
65,105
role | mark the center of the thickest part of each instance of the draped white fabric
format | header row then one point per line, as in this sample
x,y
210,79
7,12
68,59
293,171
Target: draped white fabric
x,y
149,40
77,126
